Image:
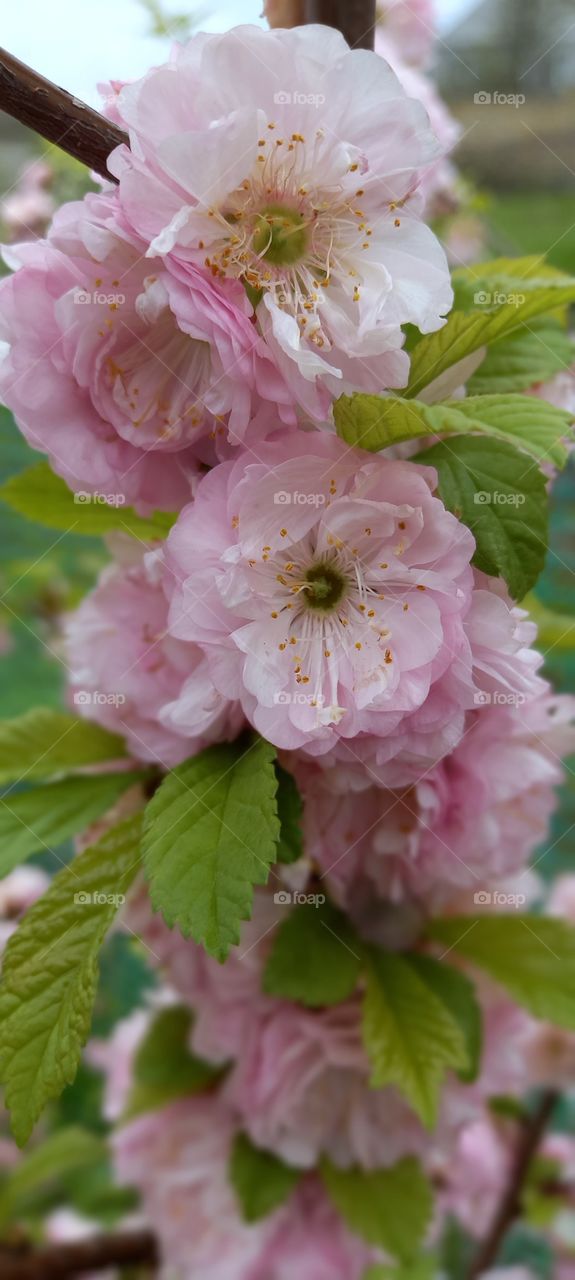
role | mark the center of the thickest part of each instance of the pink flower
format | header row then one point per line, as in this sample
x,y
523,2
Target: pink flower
x,y
333,595
283,159
469,823
178,1158
133,364
408,26
475,1175
133,678
28,206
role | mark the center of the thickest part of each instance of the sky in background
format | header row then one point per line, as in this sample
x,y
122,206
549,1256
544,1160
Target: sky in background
x,y
80,42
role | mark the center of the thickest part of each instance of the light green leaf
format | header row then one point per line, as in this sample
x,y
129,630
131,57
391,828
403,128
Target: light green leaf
x,y
164,1066
43,743
314,957
528,356
457,993
210,835
426,1267
47,816
290,810
468,331
67,1151
50,971
389,1208
409,1033
502,497
375,422
260,1180
532,956
39,494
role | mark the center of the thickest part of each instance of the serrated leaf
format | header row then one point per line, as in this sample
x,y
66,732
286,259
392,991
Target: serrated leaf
x,y
164,1066
50,972
260,1180
40,495
43,743
210,835
409,1034
530,355
530,424
502,497
532,956
389,1208
68,1151
290,811
315,957
45,817
468,331
457,993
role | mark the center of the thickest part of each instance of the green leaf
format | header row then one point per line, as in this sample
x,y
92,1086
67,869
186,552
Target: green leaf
x,y
210,835
164,1066
40,495
390,1208
68,1151
43,743
503,499
260,1180
375,422
290,809
457,993
409,1033
314,957
532,956
467,331
426,1267
50,972
45,817
527,357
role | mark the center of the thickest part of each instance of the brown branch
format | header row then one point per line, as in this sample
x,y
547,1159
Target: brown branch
x,y
56,115
355,18
509,1209
75,1258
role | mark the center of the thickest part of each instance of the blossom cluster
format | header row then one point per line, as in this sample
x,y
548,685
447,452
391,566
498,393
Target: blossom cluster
x,y
176,342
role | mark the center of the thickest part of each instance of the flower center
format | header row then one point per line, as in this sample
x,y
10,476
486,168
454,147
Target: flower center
x,y
280,235
324,587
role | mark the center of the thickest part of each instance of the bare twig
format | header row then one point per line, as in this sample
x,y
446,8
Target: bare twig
x,y
509,1208
75,1258
56,115
355,18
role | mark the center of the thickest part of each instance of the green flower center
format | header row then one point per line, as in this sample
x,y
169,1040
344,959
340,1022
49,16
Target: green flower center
x,y
324,586
281,235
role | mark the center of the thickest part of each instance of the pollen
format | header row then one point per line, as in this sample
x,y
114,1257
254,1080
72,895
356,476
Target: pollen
x,y
283,533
